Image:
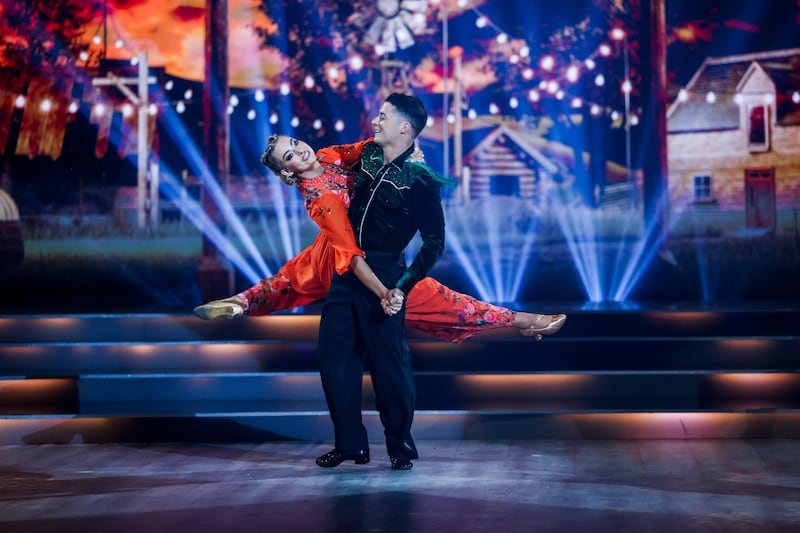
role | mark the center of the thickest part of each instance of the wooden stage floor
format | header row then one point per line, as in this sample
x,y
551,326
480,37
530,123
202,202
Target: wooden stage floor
x,y
675,485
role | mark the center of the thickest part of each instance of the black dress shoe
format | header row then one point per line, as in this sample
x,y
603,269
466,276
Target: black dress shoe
x,y
335,458
401,464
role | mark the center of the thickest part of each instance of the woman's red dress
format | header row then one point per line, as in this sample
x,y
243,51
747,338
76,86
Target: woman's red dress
x,y
430,306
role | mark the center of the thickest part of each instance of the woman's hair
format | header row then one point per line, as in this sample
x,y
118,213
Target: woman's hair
x,y
269,161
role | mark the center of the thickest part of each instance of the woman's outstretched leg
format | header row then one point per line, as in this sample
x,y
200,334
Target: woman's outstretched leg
x,y
440,311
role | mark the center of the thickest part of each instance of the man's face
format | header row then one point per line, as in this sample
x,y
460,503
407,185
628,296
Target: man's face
x,y
388,125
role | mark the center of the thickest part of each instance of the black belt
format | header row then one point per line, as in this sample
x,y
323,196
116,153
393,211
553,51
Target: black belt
x,y
384,256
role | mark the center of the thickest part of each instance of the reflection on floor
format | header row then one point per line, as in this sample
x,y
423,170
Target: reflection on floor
x,y
532,485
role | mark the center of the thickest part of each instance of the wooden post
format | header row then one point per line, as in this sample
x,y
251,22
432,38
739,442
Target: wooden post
x,y
215,277
656,171
142,102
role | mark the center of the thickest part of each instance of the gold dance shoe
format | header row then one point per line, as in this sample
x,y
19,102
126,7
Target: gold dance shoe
x,y
228,308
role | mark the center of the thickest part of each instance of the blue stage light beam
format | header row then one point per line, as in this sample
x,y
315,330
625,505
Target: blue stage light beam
x,y
642,255
171,188
577,225
191,152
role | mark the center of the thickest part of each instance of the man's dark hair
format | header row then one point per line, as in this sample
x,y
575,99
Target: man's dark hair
x,y
411,108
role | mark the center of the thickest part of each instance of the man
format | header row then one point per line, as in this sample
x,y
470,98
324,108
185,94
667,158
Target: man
x,y
393,199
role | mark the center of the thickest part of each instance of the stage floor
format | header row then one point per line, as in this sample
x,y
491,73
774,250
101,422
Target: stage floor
x,y
533,485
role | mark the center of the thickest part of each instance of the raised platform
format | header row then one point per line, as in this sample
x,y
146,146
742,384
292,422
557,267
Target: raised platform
x,y
607,374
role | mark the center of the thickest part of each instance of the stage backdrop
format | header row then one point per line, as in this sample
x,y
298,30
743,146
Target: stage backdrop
x,y
601,152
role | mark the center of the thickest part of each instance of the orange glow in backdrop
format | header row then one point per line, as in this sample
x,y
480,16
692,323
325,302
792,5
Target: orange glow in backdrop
x,y
172,32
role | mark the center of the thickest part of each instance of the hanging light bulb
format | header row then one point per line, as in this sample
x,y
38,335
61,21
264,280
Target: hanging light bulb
x,y
169,85
572,73
493,109
547,63
180,107
338,125
73,107
118,43
285,89
259,95
83,56
19,102
251,115
46,105
711,97
295,122
273,118
152,110
127,110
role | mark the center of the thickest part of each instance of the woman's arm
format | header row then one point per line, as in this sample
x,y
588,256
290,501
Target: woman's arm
x,y
343,155
330,214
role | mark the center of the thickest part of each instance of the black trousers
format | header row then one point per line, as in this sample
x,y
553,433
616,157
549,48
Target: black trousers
x,y
355,334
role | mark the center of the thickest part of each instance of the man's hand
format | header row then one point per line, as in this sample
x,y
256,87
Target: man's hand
x,y
393,302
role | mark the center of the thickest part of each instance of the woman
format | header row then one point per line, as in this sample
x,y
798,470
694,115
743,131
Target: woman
x,y
325,181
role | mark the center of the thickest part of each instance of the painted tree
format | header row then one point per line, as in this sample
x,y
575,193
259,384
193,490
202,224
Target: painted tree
x,y
44,33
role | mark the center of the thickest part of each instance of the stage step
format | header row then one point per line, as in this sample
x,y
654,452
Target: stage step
x,y
257,376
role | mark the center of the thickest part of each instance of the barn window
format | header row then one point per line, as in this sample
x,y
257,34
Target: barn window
x,y
758,128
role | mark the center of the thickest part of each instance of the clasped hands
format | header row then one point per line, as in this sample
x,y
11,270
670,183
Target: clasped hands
x,y
392,302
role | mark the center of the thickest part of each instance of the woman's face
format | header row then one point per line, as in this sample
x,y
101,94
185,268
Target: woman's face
x,y
293,155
